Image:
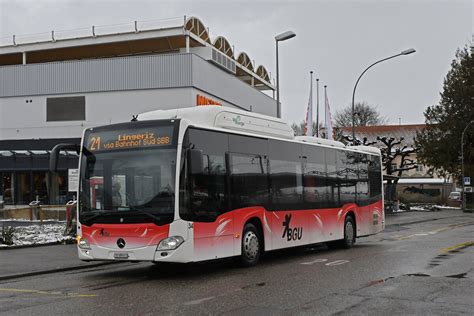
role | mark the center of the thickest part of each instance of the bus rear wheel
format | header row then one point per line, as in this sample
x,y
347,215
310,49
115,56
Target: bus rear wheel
x,y
251,246
349,235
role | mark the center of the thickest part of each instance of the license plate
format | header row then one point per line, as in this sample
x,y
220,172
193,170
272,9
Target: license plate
x,y
121,255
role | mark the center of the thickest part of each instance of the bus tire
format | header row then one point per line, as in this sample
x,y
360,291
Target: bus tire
x,y
251,246
349,233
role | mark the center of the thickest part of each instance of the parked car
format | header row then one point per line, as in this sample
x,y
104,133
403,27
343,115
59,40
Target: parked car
x,y
455,196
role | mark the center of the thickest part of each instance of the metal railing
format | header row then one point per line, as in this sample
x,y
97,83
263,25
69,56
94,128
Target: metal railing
x,y
93,31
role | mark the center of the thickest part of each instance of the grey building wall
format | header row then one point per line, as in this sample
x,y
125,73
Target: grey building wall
x,y
114,90
107,74
22,120
209,78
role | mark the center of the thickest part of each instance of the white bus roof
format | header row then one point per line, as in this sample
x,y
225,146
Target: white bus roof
x,y
373,150
245,122
320,141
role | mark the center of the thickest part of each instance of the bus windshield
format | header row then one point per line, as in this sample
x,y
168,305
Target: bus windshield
x,y
131,185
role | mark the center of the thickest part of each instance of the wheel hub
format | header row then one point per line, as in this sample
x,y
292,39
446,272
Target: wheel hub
x,y
251,246
349,232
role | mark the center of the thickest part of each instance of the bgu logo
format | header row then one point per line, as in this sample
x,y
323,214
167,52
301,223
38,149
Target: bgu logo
x,y
291,233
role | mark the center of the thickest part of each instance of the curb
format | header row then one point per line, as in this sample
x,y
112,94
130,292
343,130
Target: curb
x,y
41,272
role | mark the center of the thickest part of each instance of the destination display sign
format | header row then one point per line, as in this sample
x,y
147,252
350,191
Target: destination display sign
x,y
143,137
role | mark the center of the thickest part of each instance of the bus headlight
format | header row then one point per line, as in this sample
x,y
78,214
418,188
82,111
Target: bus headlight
x,y
170,243
83,243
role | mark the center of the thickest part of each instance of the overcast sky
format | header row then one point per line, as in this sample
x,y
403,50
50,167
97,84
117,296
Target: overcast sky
x,y
335,39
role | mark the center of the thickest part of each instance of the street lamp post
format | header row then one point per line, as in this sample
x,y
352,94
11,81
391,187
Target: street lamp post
x,y
405,52
462,165
280,38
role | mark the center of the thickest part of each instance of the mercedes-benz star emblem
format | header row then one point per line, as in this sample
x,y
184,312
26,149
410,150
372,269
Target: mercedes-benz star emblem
x,y
120,243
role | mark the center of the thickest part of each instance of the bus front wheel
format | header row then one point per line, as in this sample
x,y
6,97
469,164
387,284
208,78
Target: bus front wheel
x,y
251,245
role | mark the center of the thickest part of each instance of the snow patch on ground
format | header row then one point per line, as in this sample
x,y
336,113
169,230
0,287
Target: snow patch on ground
x,y
28,220
39,234
428,208
444,207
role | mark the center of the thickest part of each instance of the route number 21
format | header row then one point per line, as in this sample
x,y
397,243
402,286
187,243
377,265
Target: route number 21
x,y
95,143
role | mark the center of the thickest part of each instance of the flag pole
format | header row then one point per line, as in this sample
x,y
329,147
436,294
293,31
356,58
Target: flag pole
x,y
308,130
326,110
317,107
327,114
311,96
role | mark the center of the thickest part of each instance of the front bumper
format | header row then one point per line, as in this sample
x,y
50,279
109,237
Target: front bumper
x,y
181,254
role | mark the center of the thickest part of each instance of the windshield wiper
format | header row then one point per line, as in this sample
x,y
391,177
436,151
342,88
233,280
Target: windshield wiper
x,y
157,219
91,217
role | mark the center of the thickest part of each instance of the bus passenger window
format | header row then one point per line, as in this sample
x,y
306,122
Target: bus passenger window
x,y
249,181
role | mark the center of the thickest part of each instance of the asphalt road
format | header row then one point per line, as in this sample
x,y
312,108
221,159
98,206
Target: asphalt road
x,y
424,268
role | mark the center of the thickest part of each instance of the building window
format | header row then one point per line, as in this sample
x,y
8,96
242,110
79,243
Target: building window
x,y
24,188
8,188
419,168
66,109
40,187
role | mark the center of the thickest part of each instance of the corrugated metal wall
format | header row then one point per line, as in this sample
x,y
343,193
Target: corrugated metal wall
x,y
214,81
109,74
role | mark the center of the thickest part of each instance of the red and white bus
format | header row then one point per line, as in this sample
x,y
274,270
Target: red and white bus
x,y
204,183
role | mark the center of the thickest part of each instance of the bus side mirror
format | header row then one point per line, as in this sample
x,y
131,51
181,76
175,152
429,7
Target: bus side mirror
x,y
54,156
195,161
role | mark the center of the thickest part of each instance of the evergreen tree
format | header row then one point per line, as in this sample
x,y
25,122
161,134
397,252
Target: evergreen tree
x,y
440,141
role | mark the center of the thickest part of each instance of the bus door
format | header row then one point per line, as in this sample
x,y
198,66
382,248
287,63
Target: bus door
x,y
205,200
290,221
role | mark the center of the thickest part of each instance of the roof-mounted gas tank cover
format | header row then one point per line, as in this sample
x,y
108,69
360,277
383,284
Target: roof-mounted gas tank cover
x,y
226,118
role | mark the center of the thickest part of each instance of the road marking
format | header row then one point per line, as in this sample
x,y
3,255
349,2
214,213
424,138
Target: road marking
x,y
46,292
332,263
315,261
205,299
337,262
202,300
458,247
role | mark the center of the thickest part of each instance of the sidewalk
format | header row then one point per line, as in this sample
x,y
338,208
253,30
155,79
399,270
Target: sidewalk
x,y
48,259
405,218
40,260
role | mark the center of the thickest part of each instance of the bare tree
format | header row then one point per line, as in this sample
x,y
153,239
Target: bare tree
x,y
365,115
347,140
299,128
391,151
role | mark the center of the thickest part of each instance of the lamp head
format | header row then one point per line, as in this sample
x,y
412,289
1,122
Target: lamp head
x,y
408,51
284,36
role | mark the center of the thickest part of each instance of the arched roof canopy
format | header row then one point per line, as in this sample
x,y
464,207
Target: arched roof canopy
x,y
195,26
223,45
245,61
263,73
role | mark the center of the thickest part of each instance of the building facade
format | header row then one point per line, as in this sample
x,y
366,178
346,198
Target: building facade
x,y
51,89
